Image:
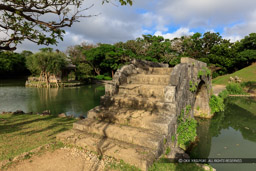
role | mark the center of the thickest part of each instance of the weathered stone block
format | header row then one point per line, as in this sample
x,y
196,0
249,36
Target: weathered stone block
x,y
169,94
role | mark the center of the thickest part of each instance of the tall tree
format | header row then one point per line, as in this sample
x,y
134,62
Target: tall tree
x,y
46,63
40,21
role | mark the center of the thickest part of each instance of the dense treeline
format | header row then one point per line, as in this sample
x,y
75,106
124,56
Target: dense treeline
x,y
13,64
102,60
221,55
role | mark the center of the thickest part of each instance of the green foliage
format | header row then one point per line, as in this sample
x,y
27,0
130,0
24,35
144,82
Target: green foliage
x,y
192,86
23,19
13,63
84,71
224,94
204,72
186,128
173,138
46,62
102,77
167,151
235,88
216,104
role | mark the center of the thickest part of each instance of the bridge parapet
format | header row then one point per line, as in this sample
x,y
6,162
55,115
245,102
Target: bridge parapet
x,y
192,79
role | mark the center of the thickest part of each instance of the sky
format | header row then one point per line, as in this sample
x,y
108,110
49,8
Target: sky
x,y
233,19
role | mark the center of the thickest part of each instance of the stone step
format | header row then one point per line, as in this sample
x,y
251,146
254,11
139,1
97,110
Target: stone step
x,y
135,118
158,71
138,136
143,90
149,79
136,102
136,155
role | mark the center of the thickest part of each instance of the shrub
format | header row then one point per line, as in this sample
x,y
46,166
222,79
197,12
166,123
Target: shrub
x,y
235,88
99,77
107,78
102,77
224,94
186,129
216,104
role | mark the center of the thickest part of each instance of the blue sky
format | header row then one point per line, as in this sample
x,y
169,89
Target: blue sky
x,y
233,19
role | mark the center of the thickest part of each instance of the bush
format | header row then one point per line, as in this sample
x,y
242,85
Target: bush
x,y
216,104
186,128
235,88
107,78
224,94
99,77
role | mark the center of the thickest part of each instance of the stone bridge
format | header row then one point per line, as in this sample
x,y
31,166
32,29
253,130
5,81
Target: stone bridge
x,y
138,113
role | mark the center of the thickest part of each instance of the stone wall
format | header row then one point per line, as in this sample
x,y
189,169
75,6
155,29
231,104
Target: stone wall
x,y
192,87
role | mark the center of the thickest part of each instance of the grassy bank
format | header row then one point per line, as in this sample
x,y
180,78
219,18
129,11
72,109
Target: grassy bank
x,y
246,74
22,133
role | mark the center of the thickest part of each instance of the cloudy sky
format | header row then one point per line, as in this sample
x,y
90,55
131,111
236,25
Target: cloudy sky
x,y
233,19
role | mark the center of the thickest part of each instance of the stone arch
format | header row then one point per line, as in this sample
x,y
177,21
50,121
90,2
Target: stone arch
x,y
201,105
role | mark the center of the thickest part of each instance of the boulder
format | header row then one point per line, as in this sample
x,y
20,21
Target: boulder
x,y
46,112
18,112
62,115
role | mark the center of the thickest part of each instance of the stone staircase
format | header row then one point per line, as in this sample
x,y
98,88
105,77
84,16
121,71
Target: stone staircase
x,y
136,123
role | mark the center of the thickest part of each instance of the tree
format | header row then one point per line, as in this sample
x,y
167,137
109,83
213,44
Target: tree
x,y
40,21
13,64
46,63
76,52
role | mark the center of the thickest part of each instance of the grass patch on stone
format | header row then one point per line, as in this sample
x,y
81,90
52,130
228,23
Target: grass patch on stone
x,y
22,133
121,166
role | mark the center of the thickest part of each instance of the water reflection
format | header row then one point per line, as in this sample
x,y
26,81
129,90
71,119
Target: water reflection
x,y
230,134
72,101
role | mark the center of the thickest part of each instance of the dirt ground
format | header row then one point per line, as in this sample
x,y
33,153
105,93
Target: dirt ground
x,y
217,89
64,159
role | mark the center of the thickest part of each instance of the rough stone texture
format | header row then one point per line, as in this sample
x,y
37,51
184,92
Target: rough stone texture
x,y
138,113
182,75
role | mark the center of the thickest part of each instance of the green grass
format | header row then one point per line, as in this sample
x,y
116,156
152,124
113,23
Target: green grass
x,y
160,165
246,74
22,133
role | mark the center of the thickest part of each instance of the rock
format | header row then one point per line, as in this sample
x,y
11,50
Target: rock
x,y
18,112
3,163
81,117
46,112
62,115
205,167
231,79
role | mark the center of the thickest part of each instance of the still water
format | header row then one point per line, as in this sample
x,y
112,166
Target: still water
x,y
74,101
230,134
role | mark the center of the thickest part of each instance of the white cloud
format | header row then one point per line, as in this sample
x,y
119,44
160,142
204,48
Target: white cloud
x,y
240,30
177,34
123,23
205,13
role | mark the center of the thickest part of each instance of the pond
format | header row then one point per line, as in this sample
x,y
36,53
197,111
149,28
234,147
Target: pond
x,y
74,101
230,134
